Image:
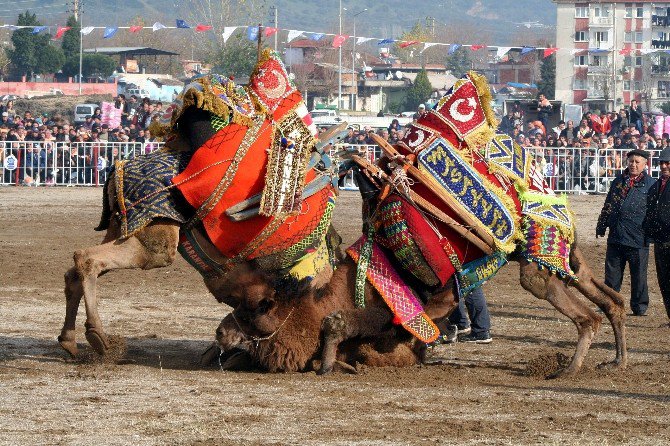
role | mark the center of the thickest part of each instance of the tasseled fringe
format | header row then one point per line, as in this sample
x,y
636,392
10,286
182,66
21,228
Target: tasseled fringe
x,y
485,97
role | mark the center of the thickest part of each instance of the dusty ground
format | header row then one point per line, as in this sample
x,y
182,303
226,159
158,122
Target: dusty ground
x,y
478,395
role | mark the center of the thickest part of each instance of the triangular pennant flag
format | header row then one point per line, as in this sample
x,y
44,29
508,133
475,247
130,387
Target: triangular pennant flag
x,y
109,32
88,30
61,31
549,51
646,50
135,28
227,32
252,33
502,50
181,23
527,49
11,27
625,51
292,35
427,45
339,40
454,47
408,43
38,29
317,36
363,40
385,41
576,50
202,28
270,31
158,25
477,47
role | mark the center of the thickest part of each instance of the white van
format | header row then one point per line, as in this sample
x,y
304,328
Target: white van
x,y
138,92
81,111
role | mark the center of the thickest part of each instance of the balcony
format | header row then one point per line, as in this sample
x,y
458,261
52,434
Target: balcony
x,y
601,21
599,69
660,21
660,70
600,45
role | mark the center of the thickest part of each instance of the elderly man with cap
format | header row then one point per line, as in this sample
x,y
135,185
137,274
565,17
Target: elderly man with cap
x,y
657,226
623,213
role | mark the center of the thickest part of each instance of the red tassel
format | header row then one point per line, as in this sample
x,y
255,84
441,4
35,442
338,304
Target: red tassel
x,y
396,320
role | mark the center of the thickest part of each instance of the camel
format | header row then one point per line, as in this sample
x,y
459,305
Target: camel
x,y
281,331
154,246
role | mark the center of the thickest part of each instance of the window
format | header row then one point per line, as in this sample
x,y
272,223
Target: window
x,y
627,61
580,36
638,61
626,85
581,61
601,11
579,84
628,36
629,12
601,36
582,12
638,37
663,89
639,12
637,86
599,61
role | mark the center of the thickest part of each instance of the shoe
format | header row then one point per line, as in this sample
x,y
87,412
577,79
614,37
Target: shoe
x,y
638,314
481,338
464,331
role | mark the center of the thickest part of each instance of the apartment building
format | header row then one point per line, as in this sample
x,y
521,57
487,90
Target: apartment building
x,y
613,52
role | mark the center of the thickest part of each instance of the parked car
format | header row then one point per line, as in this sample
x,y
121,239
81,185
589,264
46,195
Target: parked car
x,y
81,111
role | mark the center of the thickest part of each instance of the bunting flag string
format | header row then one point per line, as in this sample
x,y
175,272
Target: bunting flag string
x,y
338,40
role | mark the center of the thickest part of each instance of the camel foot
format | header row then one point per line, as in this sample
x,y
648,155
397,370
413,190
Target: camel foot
x,y
343,367
210,354
325,370
97,340
562,373
69,345
616,364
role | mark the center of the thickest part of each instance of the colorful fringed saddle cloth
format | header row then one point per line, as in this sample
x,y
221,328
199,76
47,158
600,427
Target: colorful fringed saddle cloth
x,y
406,307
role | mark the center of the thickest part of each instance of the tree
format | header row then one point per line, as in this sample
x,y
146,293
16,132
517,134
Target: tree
x,y
32,53
547,83
417,33
91,65
236,58
419,92
459,62
665,107
71,39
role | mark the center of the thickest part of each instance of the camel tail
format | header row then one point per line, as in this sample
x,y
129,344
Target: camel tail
x,y
106,208
576,262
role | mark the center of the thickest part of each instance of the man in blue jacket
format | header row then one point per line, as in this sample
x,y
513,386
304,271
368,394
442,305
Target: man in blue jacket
x,y
624,213
657,226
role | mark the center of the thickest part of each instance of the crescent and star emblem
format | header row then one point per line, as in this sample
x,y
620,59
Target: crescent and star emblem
x,y
279,90
453,110
420,137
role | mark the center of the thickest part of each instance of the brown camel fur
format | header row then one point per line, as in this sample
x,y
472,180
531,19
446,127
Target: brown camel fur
x,y
280,327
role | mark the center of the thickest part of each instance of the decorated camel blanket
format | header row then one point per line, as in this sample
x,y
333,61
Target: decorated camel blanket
x,y
257,152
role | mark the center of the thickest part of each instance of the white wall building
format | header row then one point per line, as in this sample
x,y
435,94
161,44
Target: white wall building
x,y
613,52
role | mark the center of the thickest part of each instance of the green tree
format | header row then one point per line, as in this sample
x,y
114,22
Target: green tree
x,y
665,108
236,58
91,65
547,83
420,33
71,38
22,56
419,92
459,62
33,53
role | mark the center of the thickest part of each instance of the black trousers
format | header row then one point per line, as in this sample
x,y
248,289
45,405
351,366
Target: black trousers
x,y
637,258
662,255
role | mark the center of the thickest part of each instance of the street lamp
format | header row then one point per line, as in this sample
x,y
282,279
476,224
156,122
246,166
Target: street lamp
x,y
353,62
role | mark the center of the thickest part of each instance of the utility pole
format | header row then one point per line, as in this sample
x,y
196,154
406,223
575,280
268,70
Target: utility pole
x,y
78,15
430,24
339,65
275,23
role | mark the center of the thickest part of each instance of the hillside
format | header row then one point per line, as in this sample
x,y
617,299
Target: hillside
x,y
498,22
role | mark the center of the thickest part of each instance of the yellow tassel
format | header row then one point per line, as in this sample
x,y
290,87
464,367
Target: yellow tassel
x,y
485,97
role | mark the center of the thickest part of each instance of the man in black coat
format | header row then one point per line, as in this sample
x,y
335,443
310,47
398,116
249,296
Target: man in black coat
x,y
657,226
623,213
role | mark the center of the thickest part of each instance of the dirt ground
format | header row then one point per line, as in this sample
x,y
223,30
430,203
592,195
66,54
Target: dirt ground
x,y
479,394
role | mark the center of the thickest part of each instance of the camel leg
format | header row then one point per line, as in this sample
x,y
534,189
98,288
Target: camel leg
x,y
543,285
73,294
442,304
608,300
155,246
347,324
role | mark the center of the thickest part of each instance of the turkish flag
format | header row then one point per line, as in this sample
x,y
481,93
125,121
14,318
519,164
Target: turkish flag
x,y
339,40
477,47
135,28
61,31
202,28
408,43
270,31
549,51
461,109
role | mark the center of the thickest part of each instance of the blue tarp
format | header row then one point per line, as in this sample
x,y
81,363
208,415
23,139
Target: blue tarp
x,y
520,85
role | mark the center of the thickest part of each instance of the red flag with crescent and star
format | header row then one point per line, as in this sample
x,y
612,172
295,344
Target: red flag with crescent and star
x,y
461,109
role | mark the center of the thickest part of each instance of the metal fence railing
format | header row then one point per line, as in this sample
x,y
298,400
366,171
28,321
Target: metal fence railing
x,y
567,169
